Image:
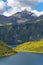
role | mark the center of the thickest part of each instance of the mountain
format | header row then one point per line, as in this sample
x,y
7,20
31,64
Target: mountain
x,y
35,47
21,27
3,19
5,50
24,17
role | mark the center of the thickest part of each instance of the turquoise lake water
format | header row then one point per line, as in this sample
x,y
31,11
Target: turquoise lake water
x,y
22,59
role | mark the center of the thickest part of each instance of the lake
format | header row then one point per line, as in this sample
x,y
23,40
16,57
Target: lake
x,y
22,59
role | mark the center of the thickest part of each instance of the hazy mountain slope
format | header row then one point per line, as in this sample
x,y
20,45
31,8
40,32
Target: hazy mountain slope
x,y
21,27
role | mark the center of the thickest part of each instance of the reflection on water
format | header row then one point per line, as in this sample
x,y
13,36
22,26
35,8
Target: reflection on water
x,y
22,59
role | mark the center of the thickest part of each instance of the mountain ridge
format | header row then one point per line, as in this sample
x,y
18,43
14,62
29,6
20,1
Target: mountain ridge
x,y
21,27
19,16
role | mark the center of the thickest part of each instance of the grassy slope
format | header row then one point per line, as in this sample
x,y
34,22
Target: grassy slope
x,y
36,47
5,50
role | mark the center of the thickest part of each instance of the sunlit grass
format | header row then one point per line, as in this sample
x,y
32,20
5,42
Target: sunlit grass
x,y
36,47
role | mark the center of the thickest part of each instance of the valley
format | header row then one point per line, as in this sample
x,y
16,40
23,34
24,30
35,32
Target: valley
x,y
21,28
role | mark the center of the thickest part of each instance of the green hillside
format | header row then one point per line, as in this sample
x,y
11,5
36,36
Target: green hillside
x,y
35,47
5,50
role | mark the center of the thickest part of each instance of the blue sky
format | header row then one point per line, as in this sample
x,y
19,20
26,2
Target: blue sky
x,y
8,7
39,7
4,0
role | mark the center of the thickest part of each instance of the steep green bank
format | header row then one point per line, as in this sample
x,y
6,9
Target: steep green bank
x,y
5,50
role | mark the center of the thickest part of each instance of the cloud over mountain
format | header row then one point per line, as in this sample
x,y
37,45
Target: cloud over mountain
x,y
16,6
2,6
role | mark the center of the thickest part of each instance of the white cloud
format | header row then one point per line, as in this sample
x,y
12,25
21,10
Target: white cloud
x,y
18,5
37,13
10,12
13,3
2,6
22,2
40,0
15,10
